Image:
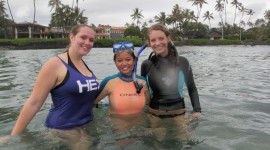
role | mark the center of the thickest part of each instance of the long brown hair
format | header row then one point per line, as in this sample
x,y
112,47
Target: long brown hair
x,y
74,31
160,27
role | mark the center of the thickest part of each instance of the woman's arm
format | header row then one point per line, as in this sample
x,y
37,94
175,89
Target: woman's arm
x,y
147,94
190,83
46,80
102,91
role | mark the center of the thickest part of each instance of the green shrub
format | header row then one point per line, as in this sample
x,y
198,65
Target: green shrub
x,y
103,42
22,41
197,42
227,42
25,41
137,42
268,41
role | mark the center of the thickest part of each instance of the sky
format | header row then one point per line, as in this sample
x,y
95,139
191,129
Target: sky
x,y
117,13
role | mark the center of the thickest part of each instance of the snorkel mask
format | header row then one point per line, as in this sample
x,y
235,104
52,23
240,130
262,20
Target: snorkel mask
x,y
118,47
122,46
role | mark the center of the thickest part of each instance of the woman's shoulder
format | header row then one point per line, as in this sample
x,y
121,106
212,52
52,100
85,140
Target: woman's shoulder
x,y
140,77
147,62
54,64
182,58
110,77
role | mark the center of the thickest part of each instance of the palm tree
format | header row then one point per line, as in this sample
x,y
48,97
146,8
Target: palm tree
x,y
55,4
137,15
186,16
199,4
127,24
77,3
242,23
34,11
267,15
236,4
220,7
34,19
3,16
150,21
250,12
208,16
3,13
250,24
10,11
78,17
259,23
55,17
175,13
225,8
161,19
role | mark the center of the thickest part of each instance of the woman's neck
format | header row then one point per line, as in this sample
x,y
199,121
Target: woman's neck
x,y
73,56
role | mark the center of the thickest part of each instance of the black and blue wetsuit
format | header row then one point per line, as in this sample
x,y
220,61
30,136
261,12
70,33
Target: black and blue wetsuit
x,y
166,79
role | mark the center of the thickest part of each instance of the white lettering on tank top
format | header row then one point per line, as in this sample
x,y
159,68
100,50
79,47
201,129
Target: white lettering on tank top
x,y
90,85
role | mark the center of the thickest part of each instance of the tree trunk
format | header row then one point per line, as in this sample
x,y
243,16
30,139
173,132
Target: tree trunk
x,y
10,12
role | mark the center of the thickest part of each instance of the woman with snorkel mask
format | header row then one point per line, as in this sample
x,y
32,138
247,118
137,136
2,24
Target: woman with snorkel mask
x,y
120,88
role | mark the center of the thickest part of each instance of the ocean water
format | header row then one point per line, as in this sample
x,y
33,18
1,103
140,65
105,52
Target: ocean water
x,y
233,84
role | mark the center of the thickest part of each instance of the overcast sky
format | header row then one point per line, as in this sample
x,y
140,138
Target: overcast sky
x,y
117,12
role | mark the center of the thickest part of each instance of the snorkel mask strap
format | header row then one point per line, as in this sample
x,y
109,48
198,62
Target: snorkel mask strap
x,y
138,86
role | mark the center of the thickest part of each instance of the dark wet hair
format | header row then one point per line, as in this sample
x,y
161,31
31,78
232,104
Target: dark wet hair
x,y
130,51
74,31
160,27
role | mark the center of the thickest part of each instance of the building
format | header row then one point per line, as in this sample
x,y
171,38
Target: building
x,y
29,30
214,36
57,32
108,32
33,30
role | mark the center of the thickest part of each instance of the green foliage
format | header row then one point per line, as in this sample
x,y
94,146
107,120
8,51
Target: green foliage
x,y
268,41
21,42
103,42
25,41
137,42
227,42
132,31
213,42
197,42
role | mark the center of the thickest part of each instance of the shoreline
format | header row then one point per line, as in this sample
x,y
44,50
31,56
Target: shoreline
x,y
61,44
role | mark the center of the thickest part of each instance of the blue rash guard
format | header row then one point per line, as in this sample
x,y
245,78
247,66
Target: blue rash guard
x,y
72,100
166,80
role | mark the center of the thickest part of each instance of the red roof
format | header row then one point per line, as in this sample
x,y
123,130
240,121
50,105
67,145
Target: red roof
x,y
118,28
101,34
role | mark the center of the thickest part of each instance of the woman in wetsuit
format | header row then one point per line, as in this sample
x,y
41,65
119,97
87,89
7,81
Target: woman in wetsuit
x,y
126,105
166,73
120,88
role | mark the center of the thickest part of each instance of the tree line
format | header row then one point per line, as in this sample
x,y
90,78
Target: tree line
x,y
182,22
62,16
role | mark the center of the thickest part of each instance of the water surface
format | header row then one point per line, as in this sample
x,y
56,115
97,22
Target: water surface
x,y
233,84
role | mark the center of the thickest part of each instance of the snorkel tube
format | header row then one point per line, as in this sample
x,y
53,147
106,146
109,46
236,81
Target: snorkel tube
x,y
138,86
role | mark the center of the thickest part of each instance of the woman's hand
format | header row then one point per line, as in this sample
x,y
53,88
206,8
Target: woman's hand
x,y
195,116
4,139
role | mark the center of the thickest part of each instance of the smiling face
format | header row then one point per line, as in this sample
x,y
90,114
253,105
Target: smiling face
x,y
159,42
83,41
124,62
